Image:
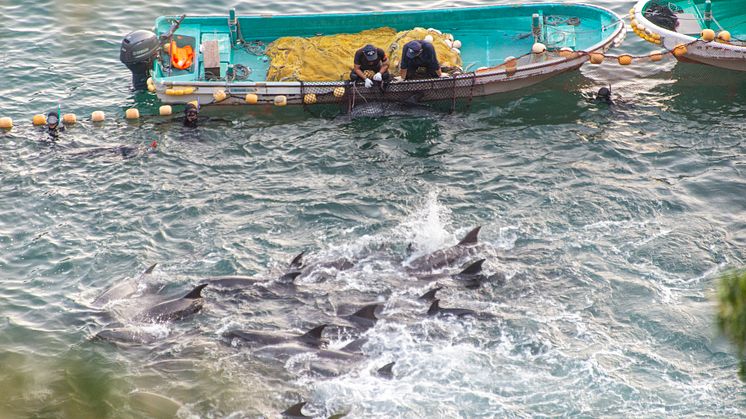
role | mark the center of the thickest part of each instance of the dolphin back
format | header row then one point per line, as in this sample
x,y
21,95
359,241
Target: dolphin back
x,y
470,238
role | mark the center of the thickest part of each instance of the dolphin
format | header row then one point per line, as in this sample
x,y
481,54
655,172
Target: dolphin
x,y
365,318
470,277
444,257
386,371
176,309
430,295
295,411
124,151
312,338
122,290
125,335
436,309
245,281
286,350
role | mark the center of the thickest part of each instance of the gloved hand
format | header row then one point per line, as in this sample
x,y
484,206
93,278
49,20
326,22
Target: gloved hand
x,y
444,75
398,78
368,83
378,77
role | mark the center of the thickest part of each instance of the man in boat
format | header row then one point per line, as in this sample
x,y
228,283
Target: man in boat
x,y
419,61
370,59
190,115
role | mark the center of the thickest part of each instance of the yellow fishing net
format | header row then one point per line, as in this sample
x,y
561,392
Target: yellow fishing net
x,y
330,58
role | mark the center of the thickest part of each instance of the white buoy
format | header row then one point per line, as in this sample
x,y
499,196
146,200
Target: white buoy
x,y
98,116
448,43
428,39
132,113
456,50
457,44
165,110
539,48
69,118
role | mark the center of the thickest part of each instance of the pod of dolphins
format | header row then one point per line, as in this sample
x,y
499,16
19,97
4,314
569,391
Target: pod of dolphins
x,y
281,345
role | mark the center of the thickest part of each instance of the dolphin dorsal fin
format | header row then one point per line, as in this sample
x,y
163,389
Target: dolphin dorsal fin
x,y
434,308
313,335
430,295
474,268
297,261
289,277
387,370
150,269
367,312
470,237
355,346
196,292
295,411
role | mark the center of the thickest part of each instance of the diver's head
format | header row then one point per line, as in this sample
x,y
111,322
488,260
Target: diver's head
x,y
52,120
191,112
604,95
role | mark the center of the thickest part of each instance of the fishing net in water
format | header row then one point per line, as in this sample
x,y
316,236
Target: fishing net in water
x,y
330,57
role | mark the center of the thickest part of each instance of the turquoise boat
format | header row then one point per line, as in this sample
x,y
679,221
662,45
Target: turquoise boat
x,y
711,32
226,60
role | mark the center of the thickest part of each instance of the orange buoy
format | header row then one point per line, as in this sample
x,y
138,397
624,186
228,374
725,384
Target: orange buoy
x,y
165,110
625,59
597,58
679,51
98,116
69,118
724,36
6,123
252,99
132,113
708,35
39,119
656,56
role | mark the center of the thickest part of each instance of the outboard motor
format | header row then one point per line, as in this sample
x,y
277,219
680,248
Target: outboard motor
x,y
138,52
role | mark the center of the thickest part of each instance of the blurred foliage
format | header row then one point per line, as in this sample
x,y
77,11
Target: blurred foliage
x,y
732,313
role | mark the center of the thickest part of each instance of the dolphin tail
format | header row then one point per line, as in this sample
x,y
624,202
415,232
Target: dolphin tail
x,y
150,269
430,295
313,336
386,370
297,261
295,411
368,312
289,277
473,269
470,238
434,308
196,292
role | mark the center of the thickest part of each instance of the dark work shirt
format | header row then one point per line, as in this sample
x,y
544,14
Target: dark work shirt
x,y
370,65
426,59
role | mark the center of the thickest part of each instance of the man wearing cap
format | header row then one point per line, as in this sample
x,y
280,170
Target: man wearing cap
x,y
190,115
419,61
372,59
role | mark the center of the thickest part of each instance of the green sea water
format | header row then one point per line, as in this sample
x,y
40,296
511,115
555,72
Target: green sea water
x,y
611,225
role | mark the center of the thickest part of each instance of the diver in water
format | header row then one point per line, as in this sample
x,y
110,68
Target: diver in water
x,y
190,115
604,96
53,125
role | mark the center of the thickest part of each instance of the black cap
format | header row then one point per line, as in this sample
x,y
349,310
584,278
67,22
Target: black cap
x,y
191,107
370,52
414,49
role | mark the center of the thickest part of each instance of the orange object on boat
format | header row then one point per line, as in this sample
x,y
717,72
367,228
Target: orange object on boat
x,y
181,58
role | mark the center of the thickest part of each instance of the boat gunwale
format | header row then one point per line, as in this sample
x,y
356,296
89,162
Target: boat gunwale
x,y
492,71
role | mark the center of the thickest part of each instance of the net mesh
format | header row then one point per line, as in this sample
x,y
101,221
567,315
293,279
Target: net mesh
x,y
330,58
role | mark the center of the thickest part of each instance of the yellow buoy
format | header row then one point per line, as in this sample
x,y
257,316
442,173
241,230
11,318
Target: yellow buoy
x,y
39,119
708,35
6,123
165,110
252,99
151,85
281,100
132,113
69,118
625,59
339,91
597,58
538,48
98,116
680,50
724,36
656,36
656,56
309,99
219,95
633,22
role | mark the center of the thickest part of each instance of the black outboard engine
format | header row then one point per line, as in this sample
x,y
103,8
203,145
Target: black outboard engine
x,y
138,52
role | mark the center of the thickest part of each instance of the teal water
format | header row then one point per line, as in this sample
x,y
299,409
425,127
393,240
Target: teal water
x,y
611,226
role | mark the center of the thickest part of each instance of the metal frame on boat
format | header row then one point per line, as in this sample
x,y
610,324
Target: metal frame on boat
x,y
515,73
716,52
